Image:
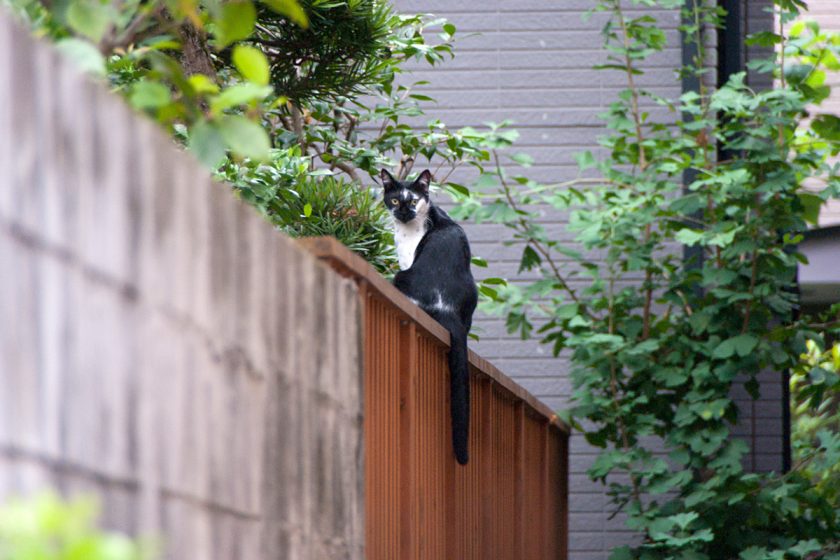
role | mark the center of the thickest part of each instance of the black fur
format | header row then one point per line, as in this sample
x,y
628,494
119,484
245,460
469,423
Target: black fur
x,y
440,274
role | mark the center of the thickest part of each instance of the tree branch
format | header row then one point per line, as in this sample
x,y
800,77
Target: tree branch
x,y
338,164
539,247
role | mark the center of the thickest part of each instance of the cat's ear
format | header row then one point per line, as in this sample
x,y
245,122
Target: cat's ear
x,y
388,181
422,182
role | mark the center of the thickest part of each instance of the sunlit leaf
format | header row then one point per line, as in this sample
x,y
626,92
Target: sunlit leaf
x,y
246,138
252,64
291,9
235,22
202,84
237,95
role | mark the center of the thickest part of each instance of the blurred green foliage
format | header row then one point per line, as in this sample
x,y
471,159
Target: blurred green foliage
x,y
46,527
815,429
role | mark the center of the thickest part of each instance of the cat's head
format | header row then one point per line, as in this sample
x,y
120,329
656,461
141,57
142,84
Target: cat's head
x,y
406,200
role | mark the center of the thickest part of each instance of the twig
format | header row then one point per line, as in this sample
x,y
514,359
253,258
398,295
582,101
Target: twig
x,y
648,293
631,85
404,167
343,166
543,251
297,126
350,127
754,273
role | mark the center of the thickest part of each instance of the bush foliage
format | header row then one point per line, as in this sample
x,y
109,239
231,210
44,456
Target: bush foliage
x,y
658,339
258,90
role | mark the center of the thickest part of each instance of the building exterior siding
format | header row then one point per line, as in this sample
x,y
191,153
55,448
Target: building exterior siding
x,y
531,61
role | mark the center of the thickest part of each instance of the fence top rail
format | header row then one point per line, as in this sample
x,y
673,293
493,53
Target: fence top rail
x,y
349,264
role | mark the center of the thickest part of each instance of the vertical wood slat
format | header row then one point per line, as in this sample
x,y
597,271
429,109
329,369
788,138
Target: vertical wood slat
x,y
408,356
519,482
509,502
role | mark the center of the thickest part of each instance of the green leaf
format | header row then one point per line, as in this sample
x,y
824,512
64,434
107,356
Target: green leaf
x,y
207,143
478,261
489,292
754,553
683,520
530,259
202,84
252,64
237,95
245,137
460,189
621,553
84,54
291,9
811,205
742,345
149,95
585,160
449,28
566,311
524,160
235,22
827,126
307,209
688,236
764,39
90,18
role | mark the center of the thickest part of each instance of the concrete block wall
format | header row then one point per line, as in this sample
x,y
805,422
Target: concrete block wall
x,y
161,346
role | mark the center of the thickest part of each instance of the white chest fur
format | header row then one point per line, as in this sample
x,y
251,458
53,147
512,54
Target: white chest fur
x,y
407,237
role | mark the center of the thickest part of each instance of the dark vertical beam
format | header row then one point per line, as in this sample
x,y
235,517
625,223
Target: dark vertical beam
x,y
730,41
730,53
693,256
732,58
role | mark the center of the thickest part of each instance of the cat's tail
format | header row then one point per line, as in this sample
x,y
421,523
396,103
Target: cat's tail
x,y
459,387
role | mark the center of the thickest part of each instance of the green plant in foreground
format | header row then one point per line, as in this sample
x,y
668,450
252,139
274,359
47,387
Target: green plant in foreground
x,y
48,528
658,341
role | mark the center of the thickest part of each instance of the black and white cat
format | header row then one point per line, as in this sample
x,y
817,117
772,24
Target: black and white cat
x,y
434,257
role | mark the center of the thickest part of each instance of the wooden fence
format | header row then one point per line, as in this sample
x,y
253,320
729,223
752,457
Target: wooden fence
x,y
510,501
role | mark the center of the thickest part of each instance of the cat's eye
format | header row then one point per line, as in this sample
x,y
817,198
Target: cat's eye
x,y
395,201
414,202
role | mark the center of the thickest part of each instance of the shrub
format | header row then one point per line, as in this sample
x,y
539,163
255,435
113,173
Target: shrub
x,y
304,203
658,337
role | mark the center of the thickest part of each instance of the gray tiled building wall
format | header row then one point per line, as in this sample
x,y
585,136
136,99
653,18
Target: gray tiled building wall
x,y
827,14
531,61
